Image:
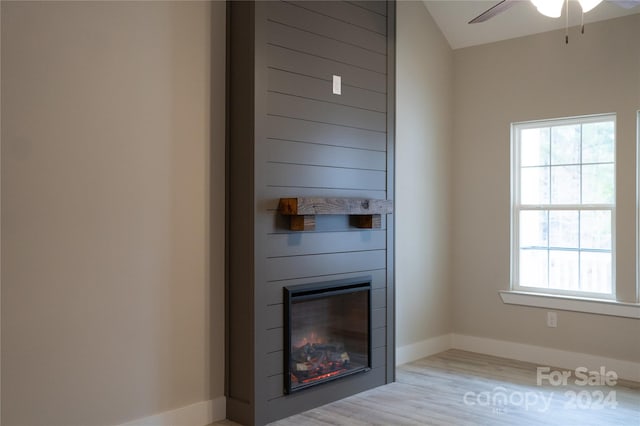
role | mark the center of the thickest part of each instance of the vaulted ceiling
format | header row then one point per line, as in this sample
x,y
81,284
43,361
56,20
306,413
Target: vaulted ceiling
x,y
520,20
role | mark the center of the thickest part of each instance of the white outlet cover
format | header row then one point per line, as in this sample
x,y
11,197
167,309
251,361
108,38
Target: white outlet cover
x,y
337,85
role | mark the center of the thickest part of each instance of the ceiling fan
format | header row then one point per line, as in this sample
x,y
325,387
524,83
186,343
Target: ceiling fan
x,y
551,8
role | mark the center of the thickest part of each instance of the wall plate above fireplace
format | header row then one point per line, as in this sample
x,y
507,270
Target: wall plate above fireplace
x,y
364,213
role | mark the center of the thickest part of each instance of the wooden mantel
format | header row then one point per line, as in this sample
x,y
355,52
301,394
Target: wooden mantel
x,y
364,213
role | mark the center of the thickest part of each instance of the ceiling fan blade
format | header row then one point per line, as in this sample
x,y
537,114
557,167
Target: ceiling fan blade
x,y
627,4
493,11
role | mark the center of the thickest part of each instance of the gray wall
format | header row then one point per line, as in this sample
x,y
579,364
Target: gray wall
x,y
531,78
112,287
309,142
423,144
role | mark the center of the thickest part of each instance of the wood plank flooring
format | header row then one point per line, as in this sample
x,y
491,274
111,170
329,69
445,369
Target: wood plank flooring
x,y
463,388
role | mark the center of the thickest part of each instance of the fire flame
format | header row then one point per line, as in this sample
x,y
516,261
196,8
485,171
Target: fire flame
x,y
323,376
312,338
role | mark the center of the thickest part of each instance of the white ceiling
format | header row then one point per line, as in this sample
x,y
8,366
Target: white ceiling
x,y
520,20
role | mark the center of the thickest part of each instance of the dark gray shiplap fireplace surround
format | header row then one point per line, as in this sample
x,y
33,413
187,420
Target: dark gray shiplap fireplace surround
x,y
289,135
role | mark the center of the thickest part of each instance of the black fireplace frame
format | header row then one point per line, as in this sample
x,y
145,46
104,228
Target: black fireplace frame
x,y
314,291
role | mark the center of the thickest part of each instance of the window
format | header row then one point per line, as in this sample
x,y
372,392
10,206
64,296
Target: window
x,y
563,206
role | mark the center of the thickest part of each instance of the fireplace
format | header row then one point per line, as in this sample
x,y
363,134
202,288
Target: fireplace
x,y
289,136
327,330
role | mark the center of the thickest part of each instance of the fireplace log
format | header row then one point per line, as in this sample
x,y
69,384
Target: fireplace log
x,y
315,359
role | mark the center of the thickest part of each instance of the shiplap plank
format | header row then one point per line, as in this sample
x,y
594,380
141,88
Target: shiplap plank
x,y
310,109
274,339
314,66
324,155
274,292
275,386
296,39
378,337
292,14
324,177
348,13
285,268
378,357
273,194
378,317
378,298
377,6
275,363
274,316
324,133
322,89
291,244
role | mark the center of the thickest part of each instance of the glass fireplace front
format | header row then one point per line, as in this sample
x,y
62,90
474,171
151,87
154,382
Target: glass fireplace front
x,y
327,331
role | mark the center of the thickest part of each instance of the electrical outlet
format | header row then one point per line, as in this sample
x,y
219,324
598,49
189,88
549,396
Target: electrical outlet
x,y
552,319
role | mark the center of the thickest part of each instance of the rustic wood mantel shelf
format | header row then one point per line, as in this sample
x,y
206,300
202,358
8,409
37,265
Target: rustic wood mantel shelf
x,y
363,213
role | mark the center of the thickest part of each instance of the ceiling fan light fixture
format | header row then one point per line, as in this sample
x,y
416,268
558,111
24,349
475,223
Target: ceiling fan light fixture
x,y
587,5
550,8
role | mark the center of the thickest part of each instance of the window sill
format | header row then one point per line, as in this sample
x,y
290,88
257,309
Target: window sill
x,y
570,303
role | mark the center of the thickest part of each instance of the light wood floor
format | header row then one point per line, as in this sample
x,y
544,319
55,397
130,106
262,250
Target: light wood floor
x,y
463,388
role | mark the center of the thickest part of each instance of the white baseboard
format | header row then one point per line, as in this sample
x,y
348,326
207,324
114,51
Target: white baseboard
x,y
628,370
422,349
198,414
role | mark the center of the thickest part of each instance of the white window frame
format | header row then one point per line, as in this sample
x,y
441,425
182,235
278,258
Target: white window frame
x,y
516,207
